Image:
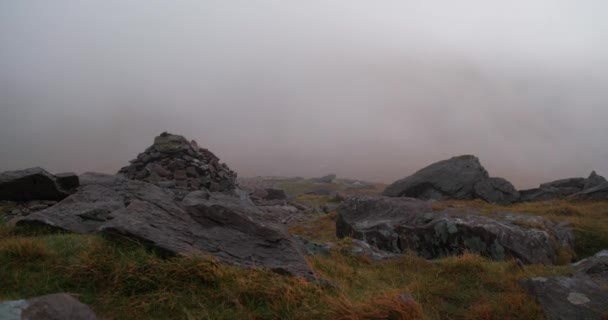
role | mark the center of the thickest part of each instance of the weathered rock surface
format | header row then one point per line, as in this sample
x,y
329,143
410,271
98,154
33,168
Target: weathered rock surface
x,y
400,224
59,306
584,295
357,248
35,184
173,162
595,187
599,192
223,225
496,190
454,178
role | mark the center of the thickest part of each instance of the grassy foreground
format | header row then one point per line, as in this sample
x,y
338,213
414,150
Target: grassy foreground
x,y
124,281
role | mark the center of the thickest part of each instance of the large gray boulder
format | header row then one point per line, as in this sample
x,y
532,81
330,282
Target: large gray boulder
x,y
223,225
59,306
454,178
35,184
584,295
496,190
401,224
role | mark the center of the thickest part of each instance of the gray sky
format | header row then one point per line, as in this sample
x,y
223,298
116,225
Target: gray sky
x,y
365,89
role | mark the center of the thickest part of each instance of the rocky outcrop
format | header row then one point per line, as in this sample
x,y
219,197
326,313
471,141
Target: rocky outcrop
x,y
594,187
454,178
599,192
584,295
219,224
173,162
36,184
496,190
59,306
400,224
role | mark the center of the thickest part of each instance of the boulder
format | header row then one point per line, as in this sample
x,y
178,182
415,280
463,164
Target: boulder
x,y
35,184
59,306
401,224
226,226
584,295
174,163
496,190
454,178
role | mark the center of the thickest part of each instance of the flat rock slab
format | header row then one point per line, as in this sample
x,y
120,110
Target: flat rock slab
x,y
35,184
59,306
225,226
400,224
584,295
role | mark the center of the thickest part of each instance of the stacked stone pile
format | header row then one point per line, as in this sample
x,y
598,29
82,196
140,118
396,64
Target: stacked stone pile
x,y
173,162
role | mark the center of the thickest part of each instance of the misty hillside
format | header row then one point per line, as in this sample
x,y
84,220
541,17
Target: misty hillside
x,y
331,160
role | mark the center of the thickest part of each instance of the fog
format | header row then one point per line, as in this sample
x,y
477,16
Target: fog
x,y
364,89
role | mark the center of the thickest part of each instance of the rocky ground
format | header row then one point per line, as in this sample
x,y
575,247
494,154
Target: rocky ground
x,y
176,235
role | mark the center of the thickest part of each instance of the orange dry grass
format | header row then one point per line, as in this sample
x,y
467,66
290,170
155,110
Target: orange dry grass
x,y
388,305
322,229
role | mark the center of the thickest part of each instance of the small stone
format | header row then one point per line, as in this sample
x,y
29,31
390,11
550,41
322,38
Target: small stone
x,y
191,171
162,172
181,184
214,187
578,298
167,184
180,175
142,174
145,158
195,184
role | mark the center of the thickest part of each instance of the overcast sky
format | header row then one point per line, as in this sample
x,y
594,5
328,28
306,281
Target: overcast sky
x,y
366,89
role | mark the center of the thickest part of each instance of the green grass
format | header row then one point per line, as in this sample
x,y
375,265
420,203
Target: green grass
x,y
125,281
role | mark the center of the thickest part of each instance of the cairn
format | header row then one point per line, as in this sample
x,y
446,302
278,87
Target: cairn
x,y
173,162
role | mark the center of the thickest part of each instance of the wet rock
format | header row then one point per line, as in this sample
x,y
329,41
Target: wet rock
x,y
226,226
496,190
35,184
584,295
400,224
454,178
59,306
